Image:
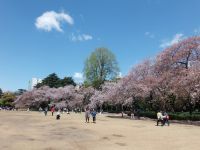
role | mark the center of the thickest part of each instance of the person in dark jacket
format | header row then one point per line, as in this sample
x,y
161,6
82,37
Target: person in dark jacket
x,y
45,111
94,113
165,118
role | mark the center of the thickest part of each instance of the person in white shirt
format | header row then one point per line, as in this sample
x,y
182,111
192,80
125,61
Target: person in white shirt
x,y
159,118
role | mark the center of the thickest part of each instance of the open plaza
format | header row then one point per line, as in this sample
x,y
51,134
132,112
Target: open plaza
x,y
34,131
99,75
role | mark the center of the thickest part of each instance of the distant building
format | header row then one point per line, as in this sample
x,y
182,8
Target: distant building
x,y
33,82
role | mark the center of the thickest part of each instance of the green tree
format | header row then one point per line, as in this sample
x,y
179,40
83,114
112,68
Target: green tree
x,y
67,81
100,66
20,91
1,92
51,80
7,99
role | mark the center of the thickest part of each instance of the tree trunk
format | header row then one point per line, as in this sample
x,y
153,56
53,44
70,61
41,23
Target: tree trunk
x,y
122,110
190,105
100,109
190,108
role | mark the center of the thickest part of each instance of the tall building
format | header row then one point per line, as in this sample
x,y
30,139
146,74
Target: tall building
x,y
33,82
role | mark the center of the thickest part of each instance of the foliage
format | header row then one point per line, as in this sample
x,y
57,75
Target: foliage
x,y
184,116
53,81
170,82
101,65
68,96
1,92
7,99
20,92
67,81
174,116
148,114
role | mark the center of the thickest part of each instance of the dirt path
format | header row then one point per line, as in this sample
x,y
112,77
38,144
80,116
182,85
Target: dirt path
x,y
34,131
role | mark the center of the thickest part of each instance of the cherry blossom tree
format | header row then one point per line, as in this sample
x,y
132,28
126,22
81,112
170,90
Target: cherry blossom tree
x,y
173,66
169,82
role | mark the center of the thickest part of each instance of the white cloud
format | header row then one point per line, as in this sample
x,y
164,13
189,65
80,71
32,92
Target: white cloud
x,y
87,37
52,20
150,35
177,37
81,37
78,77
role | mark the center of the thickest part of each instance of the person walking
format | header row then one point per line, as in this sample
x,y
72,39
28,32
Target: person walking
x,y
87,115
94,113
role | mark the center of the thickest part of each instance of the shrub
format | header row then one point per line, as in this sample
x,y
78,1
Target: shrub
x,y
174,116
149,114
184,116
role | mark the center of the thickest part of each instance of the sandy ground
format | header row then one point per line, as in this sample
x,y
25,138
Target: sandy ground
x,y
34,131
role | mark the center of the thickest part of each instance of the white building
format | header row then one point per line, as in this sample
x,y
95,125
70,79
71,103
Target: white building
x,y
33,82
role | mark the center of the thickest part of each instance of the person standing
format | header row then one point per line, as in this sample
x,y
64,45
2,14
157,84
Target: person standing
x,y
160,118
87,115
45,111
132,115
40,109
166,118
94,113
52,110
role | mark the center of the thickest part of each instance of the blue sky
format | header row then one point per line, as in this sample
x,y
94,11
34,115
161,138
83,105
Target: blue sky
x,y
39,37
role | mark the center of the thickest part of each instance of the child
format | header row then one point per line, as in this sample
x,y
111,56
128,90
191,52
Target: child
x,y
58,115
68,112
52,110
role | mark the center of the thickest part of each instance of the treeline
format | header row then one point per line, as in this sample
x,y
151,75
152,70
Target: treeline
x,y
170,82
52,80
100,67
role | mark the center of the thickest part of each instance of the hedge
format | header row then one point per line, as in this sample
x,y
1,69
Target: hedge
x,y
174,116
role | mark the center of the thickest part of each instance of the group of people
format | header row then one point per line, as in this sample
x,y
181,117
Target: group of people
x,y
89,112
7,108
58,114
52,109
163,118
